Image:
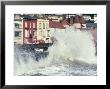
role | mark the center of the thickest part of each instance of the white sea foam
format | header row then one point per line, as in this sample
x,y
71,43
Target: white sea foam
x,y
72,46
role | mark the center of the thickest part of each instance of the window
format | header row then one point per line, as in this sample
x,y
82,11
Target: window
x,y
16,25
30,25
43,25
17,33
31,33
33,25
26,33
46,25
25,24
40,25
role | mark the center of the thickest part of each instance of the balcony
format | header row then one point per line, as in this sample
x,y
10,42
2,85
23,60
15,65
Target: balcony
x,y
26,28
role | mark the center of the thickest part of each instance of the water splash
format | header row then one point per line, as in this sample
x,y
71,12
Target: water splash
x,y
72,47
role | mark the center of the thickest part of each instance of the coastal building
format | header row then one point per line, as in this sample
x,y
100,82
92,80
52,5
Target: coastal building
x,y
29,29
18,29
77,21
56,17
43,30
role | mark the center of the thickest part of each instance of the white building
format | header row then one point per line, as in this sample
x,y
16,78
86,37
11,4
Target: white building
x,y
18,29
42,32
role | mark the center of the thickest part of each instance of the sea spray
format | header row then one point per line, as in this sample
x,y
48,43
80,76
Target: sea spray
x,y
71,46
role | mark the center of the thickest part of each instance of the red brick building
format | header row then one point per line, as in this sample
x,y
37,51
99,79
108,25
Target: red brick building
x,y
29,27
53,24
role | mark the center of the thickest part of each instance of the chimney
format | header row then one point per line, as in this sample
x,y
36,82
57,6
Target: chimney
x,y
71,20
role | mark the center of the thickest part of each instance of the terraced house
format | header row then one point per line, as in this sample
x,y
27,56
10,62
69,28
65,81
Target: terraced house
x,y
37,29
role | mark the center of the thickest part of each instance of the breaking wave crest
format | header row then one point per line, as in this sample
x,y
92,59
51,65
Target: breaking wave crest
x,y
71,46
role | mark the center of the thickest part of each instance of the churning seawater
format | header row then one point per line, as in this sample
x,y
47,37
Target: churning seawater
x,y
73,54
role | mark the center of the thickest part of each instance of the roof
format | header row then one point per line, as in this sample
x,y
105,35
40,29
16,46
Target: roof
x,y
53,24
73,19
79,19
27,17
65,22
